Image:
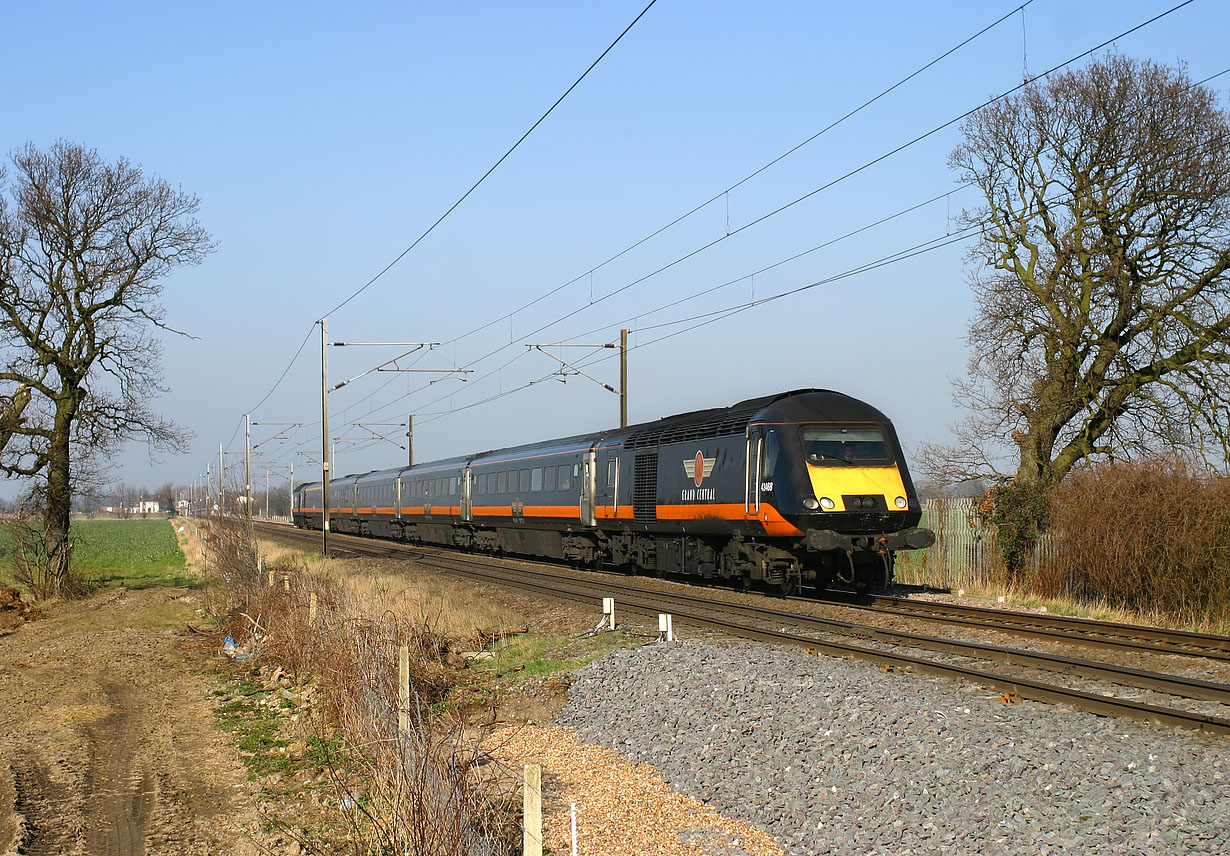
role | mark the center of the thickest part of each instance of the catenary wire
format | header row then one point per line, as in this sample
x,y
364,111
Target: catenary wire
x,y
673,222
494,166
827,185
679,219
454,206
717,315
814,192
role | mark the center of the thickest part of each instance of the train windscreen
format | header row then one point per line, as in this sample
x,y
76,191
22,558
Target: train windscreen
x,y
845,445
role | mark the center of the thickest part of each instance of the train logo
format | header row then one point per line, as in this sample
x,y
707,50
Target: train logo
x,y
699,468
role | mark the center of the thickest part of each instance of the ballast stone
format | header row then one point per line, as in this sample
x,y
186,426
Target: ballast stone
x,y
832,756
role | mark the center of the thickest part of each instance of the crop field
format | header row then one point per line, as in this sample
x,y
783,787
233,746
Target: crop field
x,y
130,553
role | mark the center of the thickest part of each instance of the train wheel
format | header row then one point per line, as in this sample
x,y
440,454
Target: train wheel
x,y
788,587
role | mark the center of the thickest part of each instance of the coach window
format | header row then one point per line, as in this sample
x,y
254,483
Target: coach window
x,y
565,473
525,481
610,474
548,479
502,482
536,479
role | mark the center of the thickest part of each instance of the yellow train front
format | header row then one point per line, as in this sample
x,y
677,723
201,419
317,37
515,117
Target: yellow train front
x,y
799,488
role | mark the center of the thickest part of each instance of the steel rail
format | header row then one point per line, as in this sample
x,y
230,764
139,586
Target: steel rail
x,y
1068,628
648,602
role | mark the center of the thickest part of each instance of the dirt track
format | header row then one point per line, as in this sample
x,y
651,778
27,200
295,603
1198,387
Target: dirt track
x,y
107,744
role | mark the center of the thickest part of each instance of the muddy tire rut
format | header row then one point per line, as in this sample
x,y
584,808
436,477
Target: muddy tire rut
x,y
107,744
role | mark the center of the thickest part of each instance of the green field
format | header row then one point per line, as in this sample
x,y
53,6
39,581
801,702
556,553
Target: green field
x,y
129,553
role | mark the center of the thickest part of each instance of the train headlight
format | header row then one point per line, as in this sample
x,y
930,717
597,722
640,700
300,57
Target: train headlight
x,y
827,504
810,503
900,502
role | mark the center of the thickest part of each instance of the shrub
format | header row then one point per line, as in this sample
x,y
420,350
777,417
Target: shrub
x,y
1019,511
1151,536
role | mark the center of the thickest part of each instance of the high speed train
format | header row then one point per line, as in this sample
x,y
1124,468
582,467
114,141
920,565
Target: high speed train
x,y
799,488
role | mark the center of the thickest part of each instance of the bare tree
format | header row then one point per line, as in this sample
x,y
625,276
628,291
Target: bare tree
x,y
1100,275
84,248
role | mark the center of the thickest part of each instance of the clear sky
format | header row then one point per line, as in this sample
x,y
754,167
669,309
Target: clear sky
x,y
324,138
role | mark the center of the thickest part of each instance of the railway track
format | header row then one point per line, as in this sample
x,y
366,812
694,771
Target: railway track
x,y
1079,631
886,647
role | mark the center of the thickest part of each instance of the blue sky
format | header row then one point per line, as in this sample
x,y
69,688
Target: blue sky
x,y
324,139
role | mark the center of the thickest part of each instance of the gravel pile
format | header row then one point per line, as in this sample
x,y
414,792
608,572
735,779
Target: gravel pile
x,y
836,757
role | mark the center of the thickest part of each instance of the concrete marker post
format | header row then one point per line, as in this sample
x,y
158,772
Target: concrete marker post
x,y
532,811
608,611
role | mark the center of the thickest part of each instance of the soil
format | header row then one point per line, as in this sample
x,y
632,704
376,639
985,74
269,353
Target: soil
x,y
14,611
107,737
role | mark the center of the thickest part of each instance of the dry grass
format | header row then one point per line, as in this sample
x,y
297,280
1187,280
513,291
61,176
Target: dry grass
x,y
188,533
448,606
408,778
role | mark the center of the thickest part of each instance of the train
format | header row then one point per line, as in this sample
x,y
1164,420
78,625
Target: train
x,y
805,488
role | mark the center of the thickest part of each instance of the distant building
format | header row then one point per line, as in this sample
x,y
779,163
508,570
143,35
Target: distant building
x,y
145,506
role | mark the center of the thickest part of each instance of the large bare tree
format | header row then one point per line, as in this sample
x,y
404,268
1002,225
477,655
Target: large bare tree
x,y
85,246
1100,275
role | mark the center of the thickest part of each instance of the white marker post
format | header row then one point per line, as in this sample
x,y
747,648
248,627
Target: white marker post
x,y
666,626
574,829
608,611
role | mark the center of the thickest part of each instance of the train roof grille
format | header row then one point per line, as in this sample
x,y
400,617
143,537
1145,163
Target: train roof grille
x,y
719,423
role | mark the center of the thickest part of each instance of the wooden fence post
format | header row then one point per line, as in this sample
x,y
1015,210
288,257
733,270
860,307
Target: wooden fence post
x,y
311,608
403,691
532,810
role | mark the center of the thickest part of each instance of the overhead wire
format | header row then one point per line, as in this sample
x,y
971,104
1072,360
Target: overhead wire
x,y
717,315
825,186
496,165
796,201
460,200
679,219
851,113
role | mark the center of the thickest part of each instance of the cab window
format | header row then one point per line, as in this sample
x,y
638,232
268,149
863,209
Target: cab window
x,y
845,445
